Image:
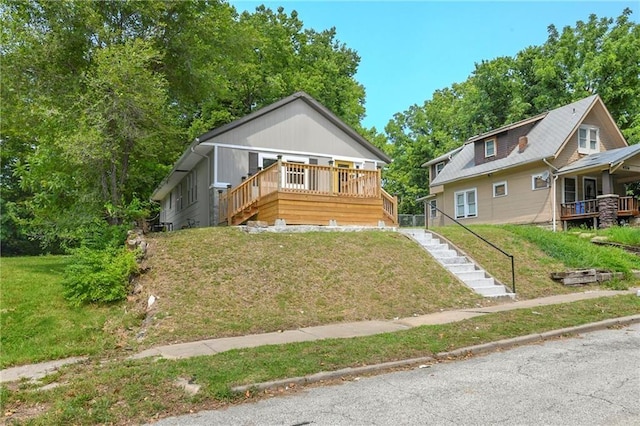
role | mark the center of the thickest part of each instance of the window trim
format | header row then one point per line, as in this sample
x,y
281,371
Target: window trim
x,y
486,144
433,213
435,168
539,175
586,149
564,189
497,184
192,187
584,187
179,200
466,204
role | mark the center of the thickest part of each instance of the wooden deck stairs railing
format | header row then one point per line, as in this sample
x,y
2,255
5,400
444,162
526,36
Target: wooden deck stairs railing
x,y
239,204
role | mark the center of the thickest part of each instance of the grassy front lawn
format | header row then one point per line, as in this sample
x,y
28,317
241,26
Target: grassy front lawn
x,y
134,392
38,324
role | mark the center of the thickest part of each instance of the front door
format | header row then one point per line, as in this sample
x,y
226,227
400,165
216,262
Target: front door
x,y
341,176
590,189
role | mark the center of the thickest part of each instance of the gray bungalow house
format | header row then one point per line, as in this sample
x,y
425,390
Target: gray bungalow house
x,y
570,164
293,160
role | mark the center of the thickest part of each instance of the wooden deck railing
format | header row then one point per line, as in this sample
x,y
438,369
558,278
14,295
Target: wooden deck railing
x,y
306,179
245,195
585,208
390,205
627,206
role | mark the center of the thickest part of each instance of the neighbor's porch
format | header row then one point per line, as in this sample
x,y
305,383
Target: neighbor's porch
x,y
605,208
308,194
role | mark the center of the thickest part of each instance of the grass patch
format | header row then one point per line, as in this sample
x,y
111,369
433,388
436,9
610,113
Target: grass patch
x,y
537,253
217,282
141,391
38,324
626,235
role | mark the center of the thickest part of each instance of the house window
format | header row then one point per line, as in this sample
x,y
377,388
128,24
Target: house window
x,y
570,190
490,148
466,204
192,188
170,199
540,181
433,212
588,139
439,167
179,197
499,189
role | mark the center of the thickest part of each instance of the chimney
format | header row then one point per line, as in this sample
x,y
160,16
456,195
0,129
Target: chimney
x,y
523,141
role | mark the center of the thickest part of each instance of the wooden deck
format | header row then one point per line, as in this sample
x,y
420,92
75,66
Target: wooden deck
x,y
305,194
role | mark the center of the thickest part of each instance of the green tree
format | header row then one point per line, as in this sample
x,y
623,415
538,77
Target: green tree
x,y
100,97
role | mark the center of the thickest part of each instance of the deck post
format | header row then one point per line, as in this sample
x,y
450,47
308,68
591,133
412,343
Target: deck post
x,y
229,205
331,178
280,174
217,220
379,183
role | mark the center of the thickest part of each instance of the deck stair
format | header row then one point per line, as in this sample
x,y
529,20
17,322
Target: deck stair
x,y
458,264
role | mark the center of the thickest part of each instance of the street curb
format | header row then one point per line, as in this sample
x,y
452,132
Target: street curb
x,y
470,350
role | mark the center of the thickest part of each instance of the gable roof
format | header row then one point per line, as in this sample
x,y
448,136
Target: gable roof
x,y
548,136
609,159
324,111
199,148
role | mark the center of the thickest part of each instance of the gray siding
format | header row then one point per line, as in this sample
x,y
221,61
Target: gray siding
x,y
195,209
296,127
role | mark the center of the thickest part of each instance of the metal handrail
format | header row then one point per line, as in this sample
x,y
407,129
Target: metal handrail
x,y
513,271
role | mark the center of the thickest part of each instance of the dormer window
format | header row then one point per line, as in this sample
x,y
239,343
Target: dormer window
x,y
588,139
439,167
490,148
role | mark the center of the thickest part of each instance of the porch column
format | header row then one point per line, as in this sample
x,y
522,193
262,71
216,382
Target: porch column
x,y
608,210
607,184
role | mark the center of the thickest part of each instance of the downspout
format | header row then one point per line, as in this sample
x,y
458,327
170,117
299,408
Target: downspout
x,y
553,188
197,140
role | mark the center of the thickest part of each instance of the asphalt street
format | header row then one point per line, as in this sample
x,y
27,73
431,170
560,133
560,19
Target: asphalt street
x,y
591,379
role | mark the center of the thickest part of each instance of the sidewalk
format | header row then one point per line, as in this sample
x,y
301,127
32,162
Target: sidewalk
x,y
333,331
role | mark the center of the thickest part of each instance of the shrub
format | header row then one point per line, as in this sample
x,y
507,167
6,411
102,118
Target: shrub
x,y
99,275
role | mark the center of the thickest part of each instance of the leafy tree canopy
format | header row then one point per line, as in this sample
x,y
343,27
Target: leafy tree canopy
x,y
100,97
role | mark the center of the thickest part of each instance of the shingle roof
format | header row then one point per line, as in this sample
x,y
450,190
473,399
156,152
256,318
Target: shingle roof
x,y
606,158
545,139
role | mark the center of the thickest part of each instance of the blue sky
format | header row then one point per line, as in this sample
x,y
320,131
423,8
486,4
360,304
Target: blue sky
x,y
409,49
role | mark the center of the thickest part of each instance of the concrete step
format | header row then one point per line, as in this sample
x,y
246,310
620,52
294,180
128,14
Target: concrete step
x,y
443,253
491,291
461,267
479,282
452,260
466,276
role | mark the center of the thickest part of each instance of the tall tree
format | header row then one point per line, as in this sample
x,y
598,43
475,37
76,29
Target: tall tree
x,y
100,97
